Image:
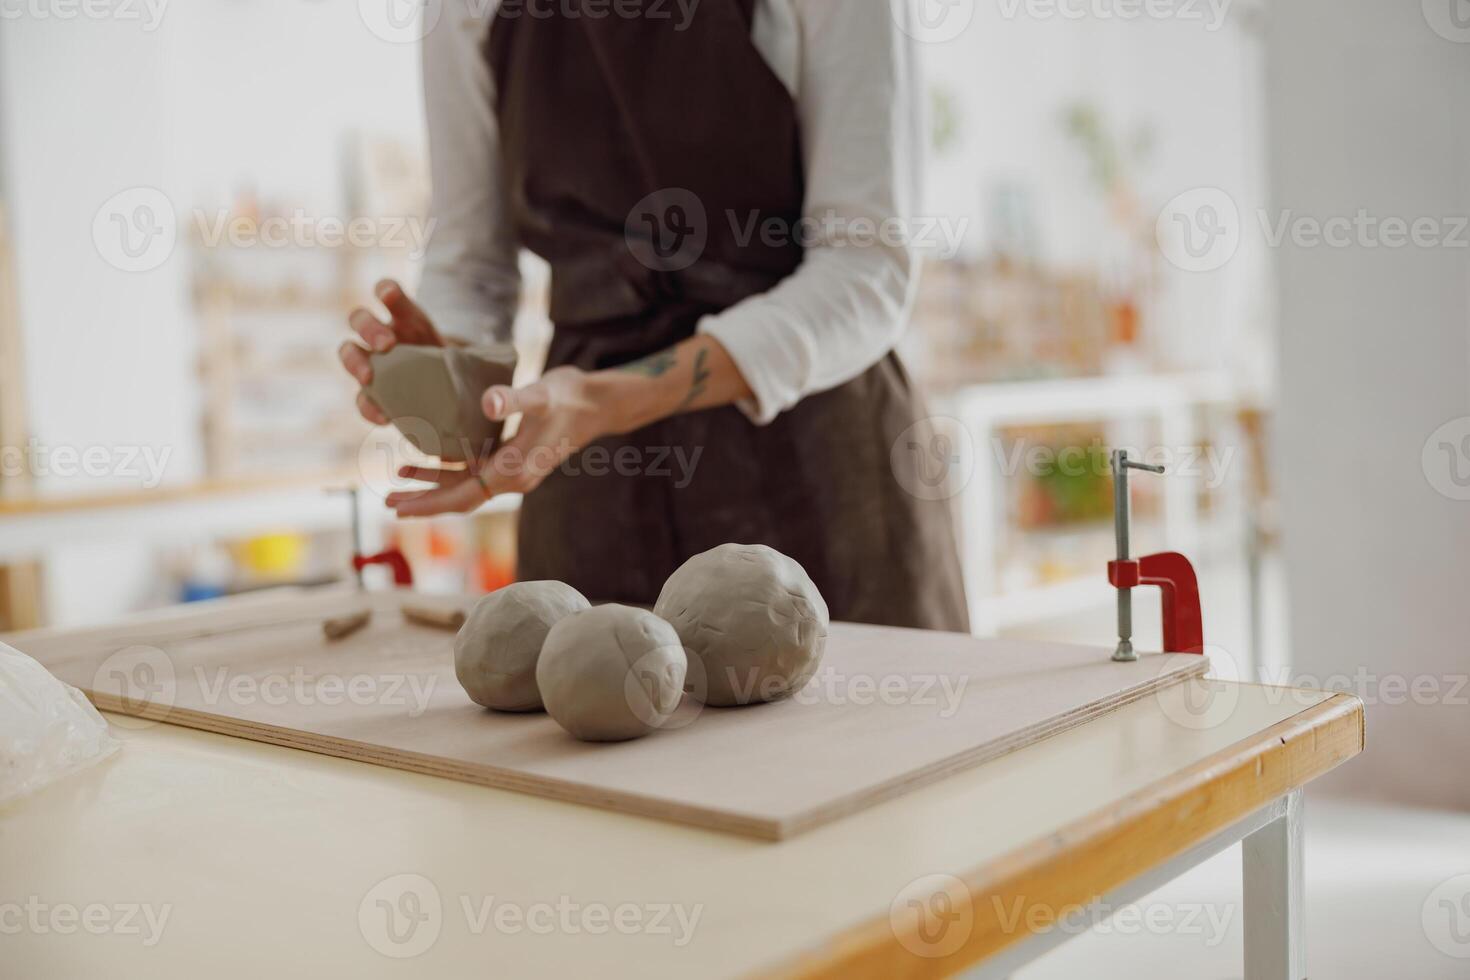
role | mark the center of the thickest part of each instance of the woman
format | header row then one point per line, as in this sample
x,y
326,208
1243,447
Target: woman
x,y
706,181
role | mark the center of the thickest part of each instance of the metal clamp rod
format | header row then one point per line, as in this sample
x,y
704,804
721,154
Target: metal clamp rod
x,y
1121,525
353,495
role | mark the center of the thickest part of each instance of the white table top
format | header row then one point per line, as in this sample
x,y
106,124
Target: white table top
x,y
268,861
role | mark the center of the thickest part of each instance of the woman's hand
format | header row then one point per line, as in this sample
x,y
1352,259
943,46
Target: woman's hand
x,y
407,324
560,414
567,410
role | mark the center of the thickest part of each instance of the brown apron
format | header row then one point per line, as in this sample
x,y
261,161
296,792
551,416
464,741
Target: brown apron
x,y
597,112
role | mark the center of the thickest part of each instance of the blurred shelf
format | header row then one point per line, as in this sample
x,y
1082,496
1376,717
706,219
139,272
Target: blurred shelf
x,y
44,504
1087,399
190,512
1169,402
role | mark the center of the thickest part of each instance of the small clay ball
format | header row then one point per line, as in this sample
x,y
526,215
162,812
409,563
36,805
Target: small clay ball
x,y
751,620
612,673
496,651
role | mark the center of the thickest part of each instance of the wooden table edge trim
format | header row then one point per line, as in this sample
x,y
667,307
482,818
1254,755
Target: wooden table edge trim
x,y
1108,848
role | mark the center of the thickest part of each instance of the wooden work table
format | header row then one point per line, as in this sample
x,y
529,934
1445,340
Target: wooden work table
x,y
270,862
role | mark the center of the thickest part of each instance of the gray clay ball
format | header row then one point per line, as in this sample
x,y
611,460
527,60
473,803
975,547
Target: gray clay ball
x,y
751,620
496,651
611,673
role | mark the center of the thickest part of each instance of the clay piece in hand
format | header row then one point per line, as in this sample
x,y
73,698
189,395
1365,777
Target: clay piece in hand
x,y
751,620
611,673
496,651
432,395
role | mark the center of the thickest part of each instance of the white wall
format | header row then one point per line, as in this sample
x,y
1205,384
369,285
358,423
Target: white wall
x,y
1194,79
88,113
214,95
219,95
1370,109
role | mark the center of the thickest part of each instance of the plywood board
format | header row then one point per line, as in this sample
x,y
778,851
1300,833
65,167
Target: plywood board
x,y
890,710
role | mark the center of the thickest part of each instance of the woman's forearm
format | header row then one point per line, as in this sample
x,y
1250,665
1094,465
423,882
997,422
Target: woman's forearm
x,y
695,374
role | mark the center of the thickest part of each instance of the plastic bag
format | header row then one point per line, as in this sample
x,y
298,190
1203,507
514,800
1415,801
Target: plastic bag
x,y
47,729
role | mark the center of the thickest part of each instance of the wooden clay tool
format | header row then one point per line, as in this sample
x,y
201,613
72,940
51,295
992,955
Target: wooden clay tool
x,y
341,627
444,619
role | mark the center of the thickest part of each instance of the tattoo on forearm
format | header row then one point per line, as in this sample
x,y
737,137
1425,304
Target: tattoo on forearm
x,y
701,375
655,366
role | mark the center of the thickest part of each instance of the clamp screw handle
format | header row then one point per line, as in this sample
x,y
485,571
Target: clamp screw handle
x,y
1121,526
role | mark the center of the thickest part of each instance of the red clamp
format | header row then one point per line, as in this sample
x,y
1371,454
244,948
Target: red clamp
x,y
1184,630
394,559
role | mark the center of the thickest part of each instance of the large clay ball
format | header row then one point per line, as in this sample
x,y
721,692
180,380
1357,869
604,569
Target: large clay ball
x,y
496,651
612,673
751,620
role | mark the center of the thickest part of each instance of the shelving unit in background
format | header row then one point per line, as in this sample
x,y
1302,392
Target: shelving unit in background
x,y
1169,407
270,321
277,403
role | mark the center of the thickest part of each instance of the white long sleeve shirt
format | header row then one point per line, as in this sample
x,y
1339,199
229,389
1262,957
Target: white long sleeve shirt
x,y
852,72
